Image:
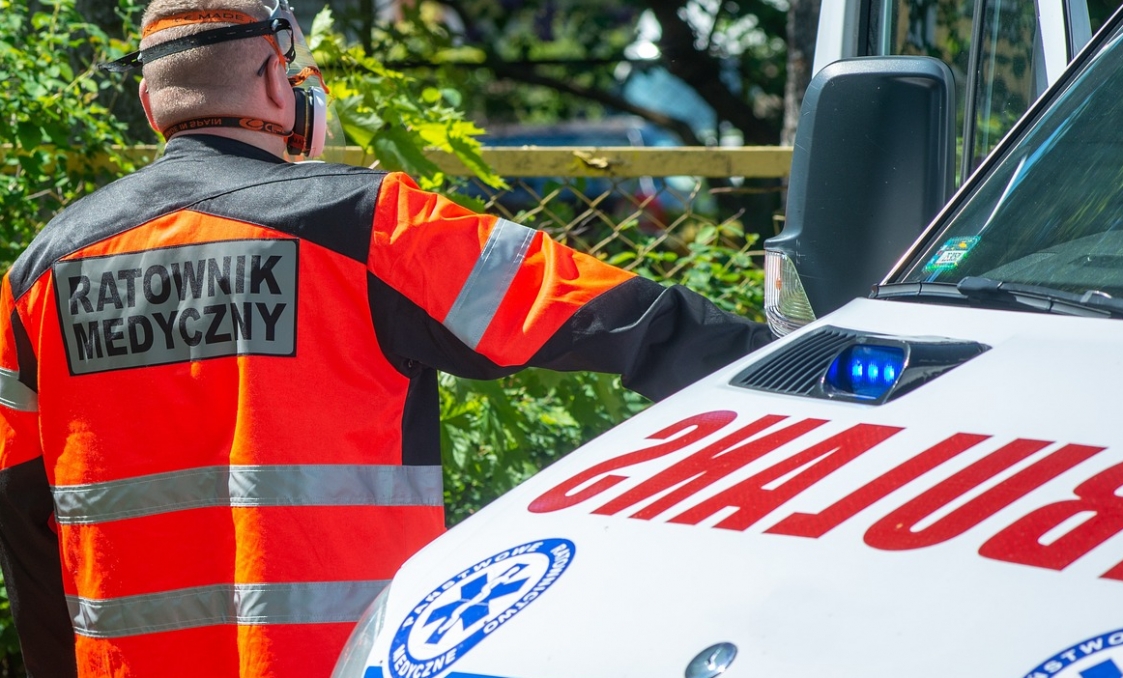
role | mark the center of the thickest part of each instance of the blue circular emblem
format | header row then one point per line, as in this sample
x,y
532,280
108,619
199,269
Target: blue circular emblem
x,y
470,606
1098,657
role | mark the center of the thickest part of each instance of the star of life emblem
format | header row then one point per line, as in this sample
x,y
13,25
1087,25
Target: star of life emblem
x,y
457,615
1098,657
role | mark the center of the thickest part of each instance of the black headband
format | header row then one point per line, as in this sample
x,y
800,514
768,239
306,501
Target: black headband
x,y
211,37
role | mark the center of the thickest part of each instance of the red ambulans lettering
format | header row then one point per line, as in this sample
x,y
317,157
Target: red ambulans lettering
x,y
752,501
1022,541
817,524
761,494
703,468
573,491
895,531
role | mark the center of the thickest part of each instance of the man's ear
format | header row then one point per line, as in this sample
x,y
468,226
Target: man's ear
x,y
277,86
146,104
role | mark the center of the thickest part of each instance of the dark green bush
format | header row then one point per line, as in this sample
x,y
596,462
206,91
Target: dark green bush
x,y
53,130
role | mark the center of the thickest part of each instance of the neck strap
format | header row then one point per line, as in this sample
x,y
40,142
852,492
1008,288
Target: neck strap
x,y
252,124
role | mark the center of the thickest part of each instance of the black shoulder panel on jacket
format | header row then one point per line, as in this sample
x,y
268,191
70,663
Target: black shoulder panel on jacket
x,y
25,354
407,334
329,204
29,555
417,346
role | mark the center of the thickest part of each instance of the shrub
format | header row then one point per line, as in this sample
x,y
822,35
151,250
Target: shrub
x,y
55,136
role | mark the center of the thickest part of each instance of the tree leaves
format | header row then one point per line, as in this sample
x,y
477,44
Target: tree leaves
x,y
393,116
495,434
49,110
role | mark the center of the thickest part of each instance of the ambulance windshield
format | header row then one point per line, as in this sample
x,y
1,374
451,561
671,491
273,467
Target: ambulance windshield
x,y
1050,213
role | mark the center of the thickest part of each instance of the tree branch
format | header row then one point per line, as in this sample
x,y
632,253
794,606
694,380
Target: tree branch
x,y
510,71
703,72
698,69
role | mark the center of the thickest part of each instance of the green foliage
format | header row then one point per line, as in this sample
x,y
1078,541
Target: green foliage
x,y
495,434
393,116
50,109
11,660
539,61
717,263
506,35
1100,11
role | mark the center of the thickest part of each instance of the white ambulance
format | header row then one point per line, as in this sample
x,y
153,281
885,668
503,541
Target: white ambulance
x,y
924,483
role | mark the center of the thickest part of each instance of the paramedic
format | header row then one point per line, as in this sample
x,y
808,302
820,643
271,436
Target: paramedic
x,y
218,395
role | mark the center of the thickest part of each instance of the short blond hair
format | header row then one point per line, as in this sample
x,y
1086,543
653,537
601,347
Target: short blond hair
x,y
208,80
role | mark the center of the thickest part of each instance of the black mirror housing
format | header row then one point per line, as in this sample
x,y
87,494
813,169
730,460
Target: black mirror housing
x,y
874,161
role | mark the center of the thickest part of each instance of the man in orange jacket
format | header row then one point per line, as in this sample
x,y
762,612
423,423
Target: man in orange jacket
x,y
218,398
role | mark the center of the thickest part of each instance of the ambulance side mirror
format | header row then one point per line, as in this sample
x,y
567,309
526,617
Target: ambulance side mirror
x,y
873,163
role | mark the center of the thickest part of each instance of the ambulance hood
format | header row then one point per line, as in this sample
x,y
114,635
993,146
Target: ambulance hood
x,y
968,527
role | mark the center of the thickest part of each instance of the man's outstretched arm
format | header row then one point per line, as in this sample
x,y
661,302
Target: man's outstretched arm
x,y
482,297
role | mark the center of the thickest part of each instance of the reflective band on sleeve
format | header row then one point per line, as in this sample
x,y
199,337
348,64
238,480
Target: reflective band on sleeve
x,y
486,286
242,604
15,394
249,486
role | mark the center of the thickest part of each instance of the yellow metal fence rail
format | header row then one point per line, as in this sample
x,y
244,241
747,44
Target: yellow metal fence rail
x,y
760,162
640,207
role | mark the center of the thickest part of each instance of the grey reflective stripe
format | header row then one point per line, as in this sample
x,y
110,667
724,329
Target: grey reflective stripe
x,y
244,604
248,486
15,394
479,298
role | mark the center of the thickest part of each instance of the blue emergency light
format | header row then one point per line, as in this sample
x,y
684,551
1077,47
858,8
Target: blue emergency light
x,y
842,364
866,371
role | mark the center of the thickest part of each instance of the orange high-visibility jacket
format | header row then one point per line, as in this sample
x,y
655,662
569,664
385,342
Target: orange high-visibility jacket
x,y
218,399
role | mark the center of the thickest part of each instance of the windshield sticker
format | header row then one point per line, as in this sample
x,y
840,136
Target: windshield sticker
x,y
948,257
1099,657
457,615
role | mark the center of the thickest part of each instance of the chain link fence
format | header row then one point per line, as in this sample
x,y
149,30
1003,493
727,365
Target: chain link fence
x,y
652,210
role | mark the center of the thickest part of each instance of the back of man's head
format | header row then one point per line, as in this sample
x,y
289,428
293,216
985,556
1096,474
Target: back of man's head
x,y
216,79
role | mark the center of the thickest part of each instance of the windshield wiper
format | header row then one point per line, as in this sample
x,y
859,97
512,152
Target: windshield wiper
x,y
931,291
1040,297
992,293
